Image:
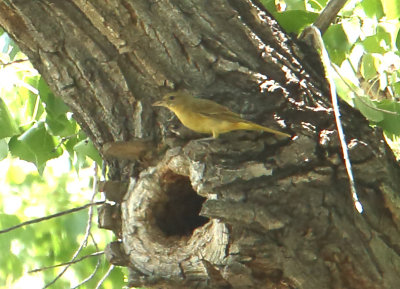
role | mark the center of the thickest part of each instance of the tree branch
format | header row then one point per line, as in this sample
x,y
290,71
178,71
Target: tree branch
x,y
88,228
67,263
328,14
52,216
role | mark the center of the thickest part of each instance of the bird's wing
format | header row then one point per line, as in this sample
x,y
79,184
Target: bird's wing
x,y
212,109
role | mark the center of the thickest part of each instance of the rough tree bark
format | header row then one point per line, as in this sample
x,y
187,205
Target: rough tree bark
x,y
244,211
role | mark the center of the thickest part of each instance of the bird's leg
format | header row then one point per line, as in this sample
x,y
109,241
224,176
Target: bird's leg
x,y
205,138
213,137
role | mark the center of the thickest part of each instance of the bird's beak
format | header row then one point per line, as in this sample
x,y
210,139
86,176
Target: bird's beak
x,y
159,103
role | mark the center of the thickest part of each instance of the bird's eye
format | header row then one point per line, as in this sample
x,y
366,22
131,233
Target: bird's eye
x,y
171,97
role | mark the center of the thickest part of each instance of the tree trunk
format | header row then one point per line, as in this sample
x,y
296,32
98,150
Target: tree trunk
x,y
248,210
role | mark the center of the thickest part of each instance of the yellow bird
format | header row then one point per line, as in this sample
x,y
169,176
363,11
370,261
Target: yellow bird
x,y
206,116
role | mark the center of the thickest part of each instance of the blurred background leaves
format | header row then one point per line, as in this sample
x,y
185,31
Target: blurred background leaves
x,y
46,166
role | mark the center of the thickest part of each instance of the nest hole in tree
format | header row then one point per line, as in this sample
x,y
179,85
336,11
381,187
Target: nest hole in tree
x,y
178,213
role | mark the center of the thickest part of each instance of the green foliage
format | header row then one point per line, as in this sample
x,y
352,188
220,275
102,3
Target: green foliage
x,y
53,241
380,42
391,8
296,20
3,149
372,8
86,148
35,124
7,124
369,108
37,128
391,120
369,66
35,145
364,45
336,40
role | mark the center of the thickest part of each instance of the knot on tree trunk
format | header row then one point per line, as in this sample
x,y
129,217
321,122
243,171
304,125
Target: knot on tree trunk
x,y
161,220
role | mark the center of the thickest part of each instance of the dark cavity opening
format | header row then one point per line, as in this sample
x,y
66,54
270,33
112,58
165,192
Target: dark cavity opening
x,y
178,213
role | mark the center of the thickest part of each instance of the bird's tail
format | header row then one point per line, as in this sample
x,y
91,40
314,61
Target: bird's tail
x,y
253,126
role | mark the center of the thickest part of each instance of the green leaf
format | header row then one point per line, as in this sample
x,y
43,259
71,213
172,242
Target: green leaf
x,y
75,224
86,148
378,43
396,88
7,220
61,125
368,66
317,4
368,108
36,145
33,105
8,127
12,264
3,149
398,40
372,8
70,143
269,5
336,43
295,5
294,21
56,119
352,29
391,122
54,105
391,8
343,90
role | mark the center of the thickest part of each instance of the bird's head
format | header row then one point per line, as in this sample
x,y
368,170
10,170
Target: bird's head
x,y
173,99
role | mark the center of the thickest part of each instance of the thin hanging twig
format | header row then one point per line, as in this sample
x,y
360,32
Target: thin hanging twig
x,y
88,228
105,276
315,35
13,62
95,269
52,216
96,254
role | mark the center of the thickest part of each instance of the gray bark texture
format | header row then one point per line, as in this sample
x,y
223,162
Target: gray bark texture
x,y
247,210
